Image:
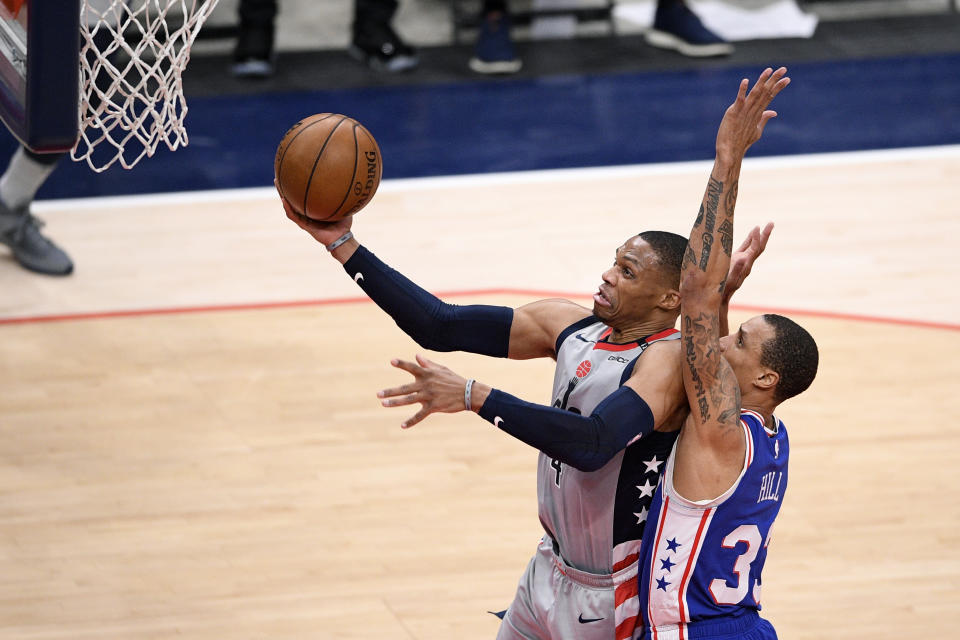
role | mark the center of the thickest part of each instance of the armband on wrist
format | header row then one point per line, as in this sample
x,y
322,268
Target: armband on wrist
x,y
339,241
468,394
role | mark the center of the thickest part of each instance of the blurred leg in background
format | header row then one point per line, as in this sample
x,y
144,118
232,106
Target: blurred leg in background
x,y
253,54
26,173
494,51
374,42
19,229
678,28
675,27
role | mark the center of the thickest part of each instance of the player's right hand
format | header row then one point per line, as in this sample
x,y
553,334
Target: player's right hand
x,y
323,232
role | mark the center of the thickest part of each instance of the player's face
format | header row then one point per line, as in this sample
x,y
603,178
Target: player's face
x,y
631,287
743,348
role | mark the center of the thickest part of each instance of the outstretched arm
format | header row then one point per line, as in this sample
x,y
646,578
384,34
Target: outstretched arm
x,y
710,383
585,442
527,332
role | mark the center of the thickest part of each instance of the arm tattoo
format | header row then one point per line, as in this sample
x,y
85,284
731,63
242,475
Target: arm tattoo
x,y
732,411
731,200
726,236
691,356
707,245
714,383
714,190
689,258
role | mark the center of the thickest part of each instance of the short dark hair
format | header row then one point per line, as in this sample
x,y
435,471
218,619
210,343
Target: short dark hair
x,y
792,353
669,249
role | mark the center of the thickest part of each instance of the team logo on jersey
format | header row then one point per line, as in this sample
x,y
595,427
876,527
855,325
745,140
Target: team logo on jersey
x,y
584,368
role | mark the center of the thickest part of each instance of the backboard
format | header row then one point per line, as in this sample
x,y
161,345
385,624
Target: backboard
x,y
39,71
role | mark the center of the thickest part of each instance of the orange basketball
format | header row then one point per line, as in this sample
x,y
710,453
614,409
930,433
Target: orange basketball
x,y
328,166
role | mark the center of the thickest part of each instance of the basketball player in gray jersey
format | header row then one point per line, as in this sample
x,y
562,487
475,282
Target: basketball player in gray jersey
x,y
593,491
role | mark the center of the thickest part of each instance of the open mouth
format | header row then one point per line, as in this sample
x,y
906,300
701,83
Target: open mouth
x,y
601,299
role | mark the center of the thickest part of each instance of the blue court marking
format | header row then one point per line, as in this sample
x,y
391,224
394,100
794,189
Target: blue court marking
x,y
551,122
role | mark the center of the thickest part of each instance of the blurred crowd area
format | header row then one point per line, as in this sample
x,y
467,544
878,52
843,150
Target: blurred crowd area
x,y
325,24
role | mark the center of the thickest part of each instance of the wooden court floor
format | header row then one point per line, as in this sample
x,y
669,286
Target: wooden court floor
x,y
190,445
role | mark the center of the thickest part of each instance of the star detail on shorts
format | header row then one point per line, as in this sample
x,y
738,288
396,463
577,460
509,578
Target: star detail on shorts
x,y
646,491
672,544
653,465
662,583
666,565
642,516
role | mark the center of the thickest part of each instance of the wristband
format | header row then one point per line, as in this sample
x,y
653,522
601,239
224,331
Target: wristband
x,y
467,394
339,241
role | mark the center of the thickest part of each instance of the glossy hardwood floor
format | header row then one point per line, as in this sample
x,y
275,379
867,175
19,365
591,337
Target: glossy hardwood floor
x,y
190,445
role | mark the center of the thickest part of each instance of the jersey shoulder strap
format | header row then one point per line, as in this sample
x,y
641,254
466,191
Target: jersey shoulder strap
x,y
576,326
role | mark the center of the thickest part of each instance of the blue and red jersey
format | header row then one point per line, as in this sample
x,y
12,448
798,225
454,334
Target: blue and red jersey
x,y
702,560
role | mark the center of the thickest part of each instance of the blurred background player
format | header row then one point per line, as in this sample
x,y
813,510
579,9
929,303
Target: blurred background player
x,y
374,42
675,27
19,229
25,174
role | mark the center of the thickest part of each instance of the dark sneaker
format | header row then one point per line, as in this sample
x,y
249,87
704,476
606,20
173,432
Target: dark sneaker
x,y
676,27
20,231
494,51
381,49
253,55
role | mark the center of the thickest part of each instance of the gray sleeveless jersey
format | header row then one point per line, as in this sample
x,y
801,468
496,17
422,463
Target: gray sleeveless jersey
x,y
596,518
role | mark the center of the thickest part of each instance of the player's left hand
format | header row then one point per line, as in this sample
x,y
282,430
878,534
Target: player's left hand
x,y
435,387
741,262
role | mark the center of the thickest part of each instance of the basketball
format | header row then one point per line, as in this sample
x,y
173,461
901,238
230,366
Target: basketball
x,y
328,166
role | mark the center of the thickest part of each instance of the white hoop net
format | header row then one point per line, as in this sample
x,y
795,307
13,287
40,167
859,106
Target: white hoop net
x,y
132,55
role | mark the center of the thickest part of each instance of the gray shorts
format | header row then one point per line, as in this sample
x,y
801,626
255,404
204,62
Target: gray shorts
x,y
556,601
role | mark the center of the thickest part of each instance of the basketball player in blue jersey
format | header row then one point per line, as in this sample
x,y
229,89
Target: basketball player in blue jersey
x,y
711,519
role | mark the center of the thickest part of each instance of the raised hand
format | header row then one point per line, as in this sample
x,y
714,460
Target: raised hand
x,y
744,120
435,387
741,262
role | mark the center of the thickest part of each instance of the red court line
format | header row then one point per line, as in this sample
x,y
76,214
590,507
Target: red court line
x,y
255,306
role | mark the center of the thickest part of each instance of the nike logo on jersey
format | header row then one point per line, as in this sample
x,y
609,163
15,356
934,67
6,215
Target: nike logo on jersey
x,y
583,620
497,421
357,278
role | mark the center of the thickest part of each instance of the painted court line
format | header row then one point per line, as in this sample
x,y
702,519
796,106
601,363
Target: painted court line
x,y
262,306
521,177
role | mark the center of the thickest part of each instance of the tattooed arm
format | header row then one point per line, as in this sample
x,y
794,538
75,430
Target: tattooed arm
x,y
712,446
